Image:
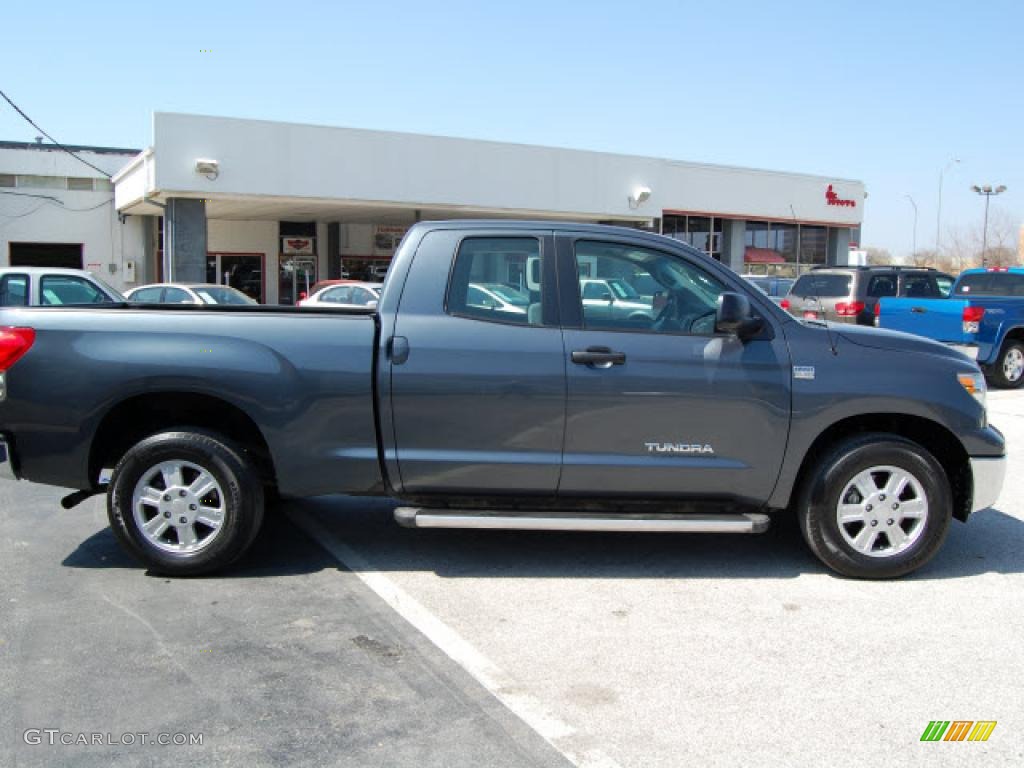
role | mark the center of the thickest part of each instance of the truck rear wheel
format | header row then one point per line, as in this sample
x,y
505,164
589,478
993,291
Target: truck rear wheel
x,y
185,502
1008,370
876,507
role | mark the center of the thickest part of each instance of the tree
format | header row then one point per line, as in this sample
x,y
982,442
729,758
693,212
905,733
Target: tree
x,y
963,246
878,256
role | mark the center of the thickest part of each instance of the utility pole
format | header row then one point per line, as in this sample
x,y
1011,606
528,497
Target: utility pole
x,y
913,251
938,215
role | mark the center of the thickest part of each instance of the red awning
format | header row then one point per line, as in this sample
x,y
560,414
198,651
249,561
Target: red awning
x,y
762,256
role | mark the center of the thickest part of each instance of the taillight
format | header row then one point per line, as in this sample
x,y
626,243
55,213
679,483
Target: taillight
x,y
784,303
878,312
849,308
972,318
14,342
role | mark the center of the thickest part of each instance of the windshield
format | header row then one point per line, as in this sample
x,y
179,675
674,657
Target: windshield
x,y
991,284
221,295
822,286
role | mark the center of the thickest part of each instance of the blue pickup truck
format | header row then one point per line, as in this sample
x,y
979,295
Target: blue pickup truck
x,y
983,318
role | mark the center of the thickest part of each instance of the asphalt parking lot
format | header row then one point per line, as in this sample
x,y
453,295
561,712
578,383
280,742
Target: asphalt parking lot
x,y
345,640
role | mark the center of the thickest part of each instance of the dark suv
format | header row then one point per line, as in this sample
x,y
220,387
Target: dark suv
x,y
849,294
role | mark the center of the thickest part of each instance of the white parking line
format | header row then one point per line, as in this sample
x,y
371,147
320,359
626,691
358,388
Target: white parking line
x,y
556,732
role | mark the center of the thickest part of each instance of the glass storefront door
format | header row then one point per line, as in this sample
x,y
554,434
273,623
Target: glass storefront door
x,y
243,271
295,277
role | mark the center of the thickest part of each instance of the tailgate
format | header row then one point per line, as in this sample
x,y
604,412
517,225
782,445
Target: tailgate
x,y
939,319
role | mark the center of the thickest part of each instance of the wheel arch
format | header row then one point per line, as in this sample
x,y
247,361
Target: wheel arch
x,y
930,435
141,415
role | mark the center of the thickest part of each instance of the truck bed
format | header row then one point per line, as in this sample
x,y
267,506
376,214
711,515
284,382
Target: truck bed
x,y
304,375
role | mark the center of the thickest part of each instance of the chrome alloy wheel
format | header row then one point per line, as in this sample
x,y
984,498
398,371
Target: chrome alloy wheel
x,y
178,506
1013,364
882,511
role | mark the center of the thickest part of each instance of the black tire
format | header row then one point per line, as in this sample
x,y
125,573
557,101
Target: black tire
x,y
239,494
997,372
818,506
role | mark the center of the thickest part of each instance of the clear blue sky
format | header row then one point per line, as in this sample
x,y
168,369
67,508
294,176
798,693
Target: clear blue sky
x,y
886,92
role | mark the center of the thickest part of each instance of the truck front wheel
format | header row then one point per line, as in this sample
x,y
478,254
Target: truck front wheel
x,y
1008,370
876,507
185,502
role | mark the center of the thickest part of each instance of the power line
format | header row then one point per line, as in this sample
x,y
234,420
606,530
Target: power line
x,y
55,142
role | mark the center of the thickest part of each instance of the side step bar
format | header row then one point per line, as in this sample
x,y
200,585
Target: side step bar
x,y
419,517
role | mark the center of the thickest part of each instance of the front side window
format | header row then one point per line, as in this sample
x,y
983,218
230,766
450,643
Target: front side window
x,y
631,288
14,291
497,279
340,295
67,290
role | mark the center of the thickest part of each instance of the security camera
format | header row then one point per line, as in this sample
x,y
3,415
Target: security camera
x,y
209,168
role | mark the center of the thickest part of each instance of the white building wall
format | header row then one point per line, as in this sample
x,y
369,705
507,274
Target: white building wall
x,y
54,214
261,158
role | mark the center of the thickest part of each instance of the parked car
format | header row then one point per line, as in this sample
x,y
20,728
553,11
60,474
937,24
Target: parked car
x,y
849,294
188,293
353,294
615,299
775,288
983,318
53,287
719,415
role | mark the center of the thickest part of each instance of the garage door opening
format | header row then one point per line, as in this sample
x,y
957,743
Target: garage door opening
x,y
64,255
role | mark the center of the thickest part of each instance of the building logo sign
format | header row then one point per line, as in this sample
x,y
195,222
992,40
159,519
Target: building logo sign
x,y
831,198
297,246
958,730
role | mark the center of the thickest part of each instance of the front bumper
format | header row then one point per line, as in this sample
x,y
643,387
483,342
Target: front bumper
x,y
971,350
6,461
988,474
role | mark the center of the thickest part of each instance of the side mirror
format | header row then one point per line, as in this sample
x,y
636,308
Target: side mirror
x,y
372,303
607,296
733,316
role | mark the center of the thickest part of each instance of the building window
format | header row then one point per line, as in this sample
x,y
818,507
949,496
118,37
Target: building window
x,y
702,232
42,182
782,239
813,244
8,180
757,234
79,183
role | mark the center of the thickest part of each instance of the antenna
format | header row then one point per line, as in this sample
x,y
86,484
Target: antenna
x,y
821,307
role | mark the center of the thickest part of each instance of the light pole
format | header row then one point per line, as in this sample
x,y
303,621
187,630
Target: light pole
x,y
987,191
913,251
938,215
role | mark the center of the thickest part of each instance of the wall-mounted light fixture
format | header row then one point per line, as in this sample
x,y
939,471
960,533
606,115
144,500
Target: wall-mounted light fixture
x,y
640,195
208,168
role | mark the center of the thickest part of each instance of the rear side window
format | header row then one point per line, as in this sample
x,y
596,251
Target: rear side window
x,y
340,295
14,291
991,284
497,279
822,286
882,285
68,290
920,287
147,295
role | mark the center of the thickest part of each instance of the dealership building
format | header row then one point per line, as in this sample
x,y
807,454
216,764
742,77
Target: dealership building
x,y
272,207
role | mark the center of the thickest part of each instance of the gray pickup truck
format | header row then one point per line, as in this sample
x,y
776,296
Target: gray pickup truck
x,y
718,413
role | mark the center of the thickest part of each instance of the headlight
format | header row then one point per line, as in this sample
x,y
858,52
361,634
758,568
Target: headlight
x,y
974,383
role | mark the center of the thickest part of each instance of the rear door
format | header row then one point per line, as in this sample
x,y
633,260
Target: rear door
x,y
673,408
478,391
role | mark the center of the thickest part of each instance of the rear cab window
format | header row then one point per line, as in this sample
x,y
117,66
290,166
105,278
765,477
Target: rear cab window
x,y
497,279
991,284
823,286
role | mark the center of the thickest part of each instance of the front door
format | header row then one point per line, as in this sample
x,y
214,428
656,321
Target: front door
x,y
478,367
658,403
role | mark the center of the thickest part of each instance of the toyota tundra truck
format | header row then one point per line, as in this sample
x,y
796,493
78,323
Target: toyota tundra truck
x,y
718,413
